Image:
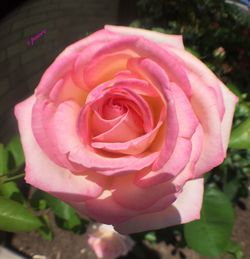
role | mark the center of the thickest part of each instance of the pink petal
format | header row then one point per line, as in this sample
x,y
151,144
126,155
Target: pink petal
x,y
131,147
185,209
42,173
206,76
42,113
100,36
137,85
84,70
205,106
155,74
171,40
103,68
167,60
81,157
111,165
83,58
66,89
106,210
186,117
144,109
172,167
230,101
44,130
144,48
126,129
56,71
188,123
130,196
100,125
127,93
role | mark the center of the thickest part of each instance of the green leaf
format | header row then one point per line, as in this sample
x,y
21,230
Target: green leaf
x,y
45,230
60,208
135,23
15,148
14,217
66,216
11,191
232,185
38,201
3,160
210,235
73,223
235,249
151,237
240,137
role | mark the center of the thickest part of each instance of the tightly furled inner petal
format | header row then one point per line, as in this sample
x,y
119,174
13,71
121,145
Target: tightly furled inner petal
x,y
127,128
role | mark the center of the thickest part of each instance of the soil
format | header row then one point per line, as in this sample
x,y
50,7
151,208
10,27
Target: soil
x,y
67,245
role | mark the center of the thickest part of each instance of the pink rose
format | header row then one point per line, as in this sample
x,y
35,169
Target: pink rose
x,y
107,243
123,125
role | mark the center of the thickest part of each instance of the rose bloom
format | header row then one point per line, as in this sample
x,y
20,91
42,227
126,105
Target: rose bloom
x,y
107,243
122,127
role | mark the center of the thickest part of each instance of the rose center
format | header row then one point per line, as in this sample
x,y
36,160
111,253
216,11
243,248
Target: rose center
x,y
113,109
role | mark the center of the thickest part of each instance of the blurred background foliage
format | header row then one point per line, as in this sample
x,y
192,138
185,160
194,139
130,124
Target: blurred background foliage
x,y
216,31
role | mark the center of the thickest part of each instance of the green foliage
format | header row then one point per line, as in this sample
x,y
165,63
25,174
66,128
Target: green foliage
x,y
14,217
15,213
235,249
15,149
17,210
11,191
151,237
65,215
211,234
45,230
240,137
3,160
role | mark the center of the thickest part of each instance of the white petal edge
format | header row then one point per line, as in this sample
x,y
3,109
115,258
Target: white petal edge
x,y
230,101
158,37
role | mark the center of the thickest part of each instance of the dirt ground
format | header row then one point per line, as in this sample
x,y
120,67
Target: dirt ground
x,y
67,245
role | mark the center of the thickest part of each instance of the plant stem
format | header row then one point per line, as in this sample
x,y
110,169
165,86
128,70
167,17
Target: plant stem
x,y
14,177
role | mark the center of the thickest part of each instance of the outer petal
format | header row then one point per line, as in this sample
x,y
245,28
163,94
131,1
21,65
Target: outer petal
x,y
44,131
59,69
230,101
106,210
185,209
42,173
172,167
100,36
205,106
128,195
206,76
172,40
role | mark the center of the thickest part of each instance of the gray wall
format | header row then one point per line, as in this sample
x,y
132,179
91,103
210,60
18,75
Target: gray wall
x,y
21,65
